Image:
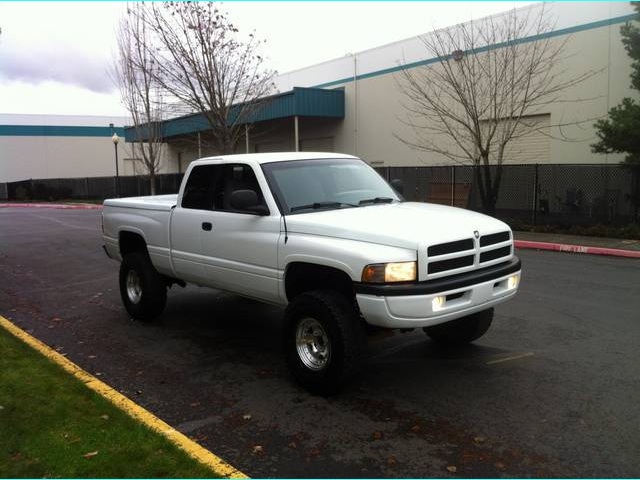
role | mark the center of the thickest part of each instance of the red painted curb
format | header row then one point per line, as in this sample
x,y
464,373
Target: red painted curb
x,y
63,206
560,247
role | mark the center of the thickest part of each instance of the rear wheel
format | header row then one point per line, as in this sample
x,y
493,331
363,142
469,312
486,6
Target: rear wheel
x,y
463,330
142,289
324,340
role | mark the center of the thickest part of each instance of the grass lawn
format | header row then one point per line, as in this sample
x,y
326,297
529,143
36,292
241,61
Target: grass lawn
x,y
51,425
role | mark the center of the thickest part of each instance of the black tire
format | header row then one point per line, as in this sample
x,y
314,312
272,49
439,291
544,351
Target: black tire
x,y
334,316
463,330
147,301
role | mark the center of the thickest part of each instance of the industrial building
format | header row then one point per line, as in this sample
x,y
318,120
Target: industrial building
x,y
351,104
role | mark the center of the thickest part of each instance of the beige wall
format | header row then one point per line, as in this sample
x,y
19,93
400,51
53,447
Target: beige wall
x,y
375,115
381,113
25,157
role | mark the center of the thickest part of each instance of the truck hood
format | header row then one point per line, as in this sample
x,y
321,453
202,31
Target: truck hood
x,y
404,225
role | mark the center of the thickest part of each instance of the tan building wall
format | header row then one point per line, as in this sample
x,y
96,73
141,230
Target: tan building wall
x,y
598,52
25,157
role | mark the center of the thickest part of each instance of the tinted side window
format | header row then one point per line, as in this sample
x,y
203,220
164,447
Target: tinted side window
x,y
234,177
198,193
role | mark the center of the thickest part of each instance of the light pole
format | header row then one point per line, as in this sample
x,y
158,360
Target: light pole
x,y
115,139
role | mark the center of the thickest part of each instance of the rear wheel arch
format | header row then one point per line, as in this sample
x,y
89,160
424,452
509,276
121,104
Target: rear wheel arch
x,y
130,242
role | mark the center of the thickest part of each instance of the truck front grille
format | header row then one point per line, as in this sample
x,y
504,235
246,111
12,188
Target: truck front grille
x,y
466,253
451,264
486,240
493,254
450,247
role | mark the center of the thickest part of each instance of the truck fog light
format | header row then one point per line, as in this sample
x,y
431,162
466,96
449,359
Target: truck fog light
x,y
512,282
437,303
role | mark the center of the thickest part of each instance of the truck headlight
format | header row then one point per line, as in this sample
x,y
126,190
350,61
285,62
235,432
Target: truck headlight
x,y
389,272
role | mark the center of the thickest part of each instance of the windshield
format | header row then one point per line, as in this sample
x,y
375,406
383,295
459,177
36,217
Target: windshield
x,y
303,186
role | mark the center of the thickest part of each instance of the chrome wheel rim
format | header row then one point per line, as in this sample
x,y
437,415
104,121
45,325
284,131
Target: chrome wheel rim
x,y
134,289
312,344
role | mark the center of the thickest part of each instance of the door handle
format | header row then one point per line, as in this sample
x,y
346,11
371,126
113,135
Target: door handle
x,y
206,226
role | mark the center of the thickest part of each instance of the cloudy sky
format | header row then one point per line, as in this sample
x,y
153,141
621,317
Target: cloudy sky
x,y
55,56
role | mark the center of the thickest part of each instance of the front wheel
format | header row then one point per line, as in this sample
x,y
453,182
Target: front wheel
x,y
463,330
142,289
324,339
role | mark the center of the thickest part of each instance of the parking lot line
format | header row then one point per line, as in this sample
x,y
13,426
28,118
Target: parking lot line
x,y
508,359
194,450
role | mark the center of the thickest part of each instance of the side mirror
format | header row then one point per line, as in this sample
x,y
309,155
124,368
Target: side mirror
x,y
397,185
247,200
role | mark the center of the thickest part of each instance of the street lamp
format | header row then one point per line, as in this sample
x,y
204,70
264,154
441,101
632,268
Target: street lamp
x,y
115,139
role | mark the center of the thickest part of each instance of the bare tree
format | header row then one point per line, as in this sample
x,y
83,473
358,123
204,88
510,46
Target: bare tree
x,y
203,65
135,71
489,80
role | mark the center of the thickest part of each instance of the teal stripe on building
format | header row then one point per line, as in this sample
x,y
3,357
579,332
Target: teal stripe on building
x,y
58,131
533,38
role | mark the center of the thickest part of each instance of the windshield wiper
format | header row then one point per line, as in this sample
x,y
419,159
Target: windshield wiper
x,y
318,205
376,200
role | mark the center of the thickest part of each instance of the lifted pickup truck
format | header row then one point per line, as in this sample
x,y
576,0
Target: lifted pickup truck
x,y
323,235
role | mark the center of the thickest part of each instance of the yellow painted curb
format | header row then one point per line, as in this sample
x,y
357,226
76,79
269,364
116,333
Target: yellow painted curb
x,y
194,450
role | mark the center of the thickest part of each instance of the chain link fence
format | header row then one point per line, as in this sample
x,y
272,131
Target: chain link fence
x,y
563,195
90,188
528,195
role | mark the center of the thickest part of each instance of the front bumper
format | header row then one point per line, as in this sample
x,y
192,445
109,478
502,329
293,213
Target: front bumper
x,y
411,305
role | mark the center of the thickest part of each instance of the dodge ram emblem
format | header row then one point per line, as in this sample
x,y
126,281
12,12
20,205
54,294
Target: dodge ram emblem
x,y
476,234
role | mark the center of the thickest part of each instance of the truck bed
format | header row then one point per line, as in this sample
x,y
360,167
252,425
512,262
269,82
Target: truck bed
x,y
154,202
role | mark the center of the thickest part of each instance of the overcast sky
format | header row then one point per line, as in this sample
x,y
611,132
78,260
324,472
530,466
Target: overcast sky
x,y
54,56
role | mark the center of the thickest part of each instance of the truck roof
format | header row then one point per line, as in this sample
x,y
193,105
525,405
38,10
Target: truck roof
x,y
261,158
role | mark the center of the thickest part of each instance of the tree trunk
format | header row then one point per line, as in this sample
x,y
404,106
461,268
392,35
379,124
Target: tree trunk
x,y
487,186
152,181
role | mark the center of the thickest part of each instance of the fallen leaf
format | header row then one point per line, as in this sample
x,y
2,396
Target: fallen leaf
x,y
392,462
479,439
499,465
293,445
377,435
452,469
313,452
416,428
90,454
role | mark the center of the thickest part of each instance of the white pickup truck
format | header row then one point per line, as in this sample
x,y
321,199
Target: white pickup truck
x,y
325,236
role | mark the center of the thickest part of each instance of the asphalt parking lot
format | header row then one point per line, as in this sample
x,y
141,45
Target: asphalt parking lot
x,y
552,390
